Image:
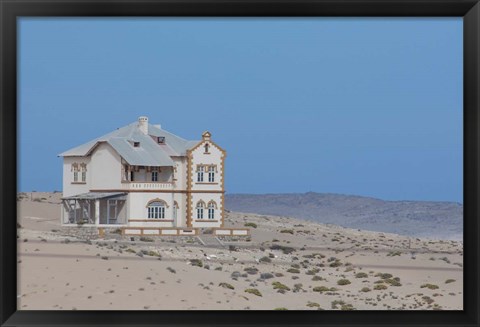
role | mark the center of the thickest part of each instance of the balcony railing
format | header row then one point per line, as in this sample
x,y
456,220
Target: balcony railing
x,y
148,186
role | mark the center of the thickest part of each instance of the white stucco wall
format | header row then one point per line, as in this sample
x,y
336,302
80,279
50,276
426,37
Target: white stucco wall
x,y
137,209
207,197
180,174
106,171
213,157
199,157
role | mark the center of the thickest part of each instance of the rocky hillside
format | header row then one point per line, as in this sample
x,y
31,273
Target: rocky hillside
x,y
443,220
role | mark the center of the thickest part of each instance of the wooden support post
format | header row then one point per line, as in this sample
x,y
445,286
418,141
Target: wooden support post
x,y
97,212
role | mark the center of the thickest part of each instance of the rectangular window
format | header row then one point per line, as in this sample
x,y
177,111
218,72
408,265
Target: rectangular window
x,y
211,213
156,212
211,174
199,213
84,176
199,173
75,176
154,176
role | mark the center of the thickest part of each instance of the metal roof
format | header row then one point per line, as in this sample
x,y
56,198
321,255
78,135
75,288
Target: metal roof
x,y
148,153
96,196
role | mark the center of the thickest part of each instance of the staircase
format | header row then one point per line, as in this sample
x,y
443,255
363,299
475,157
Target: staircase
x,y
210,240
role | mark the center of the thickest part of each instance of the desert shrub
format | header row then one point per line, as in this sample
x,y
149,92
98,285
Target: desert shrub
x,y
253,291
394,253
312,271
429,286
293,271
226,285
343,282
287,231
153,254
146,239
336,303
297,287
280,309
130,250
317,278
321,289
313,305
196,262
170,269
280,286
347,307
380,287
393,282
265,259
384,275
448,281
365,289
361,275
284,249
253,225
335,264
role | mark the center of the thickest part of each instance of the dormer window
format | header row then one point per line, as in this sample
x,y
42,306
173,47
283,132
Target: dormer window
x,y
161,139
206,147
136,144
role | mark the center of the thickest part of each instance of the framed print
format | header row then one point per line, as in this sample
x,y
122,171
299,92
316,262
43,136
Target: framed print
x,y
239,163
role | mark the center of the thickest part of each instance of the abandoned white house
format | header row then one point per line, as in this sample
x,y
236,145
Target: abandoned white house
x,y
145,180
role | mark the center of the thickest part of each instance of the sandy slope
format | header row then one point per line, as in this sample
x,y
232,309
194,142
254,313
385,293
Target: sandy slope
x,y
114,274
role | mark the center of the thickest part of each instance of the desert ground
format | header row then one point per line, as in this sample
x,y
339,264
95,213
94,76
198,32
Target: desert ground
x,y
285,264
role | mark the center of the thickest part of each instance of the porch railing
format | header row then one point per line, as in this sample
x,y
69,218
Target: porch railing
x,y
147,186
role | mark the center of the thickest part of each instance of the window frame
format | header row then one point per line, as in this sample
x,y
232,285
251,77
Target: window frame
x,y
211,174
156,211
200,171
200,209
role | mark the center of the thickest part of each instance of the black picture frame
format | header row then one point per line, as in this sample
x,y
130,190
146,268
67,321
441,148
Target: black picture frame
x,y
11,10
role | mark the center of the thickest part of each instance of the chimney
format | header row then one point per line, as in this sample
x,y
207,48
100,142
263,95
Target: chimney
x,y
143,124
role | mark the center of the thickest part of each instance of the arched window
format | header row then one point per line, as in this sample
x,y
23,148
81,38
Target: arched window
x,y
211,209
156,210
75,168
200,207
83,169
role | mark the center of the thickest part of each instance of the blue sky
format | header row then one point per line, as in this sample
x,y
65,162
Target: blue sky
x,y
365,106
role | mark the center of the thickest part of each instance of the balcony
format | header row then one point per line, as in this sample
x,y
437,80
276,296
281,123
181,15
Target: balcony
x,y
147,186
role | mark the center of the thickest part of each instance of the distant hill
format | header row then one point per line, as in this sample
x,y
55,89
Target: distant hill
x,y
442,220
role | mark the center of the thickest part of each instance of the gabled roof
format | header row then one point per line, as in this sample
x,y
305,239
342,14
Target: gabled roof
x,y
148,153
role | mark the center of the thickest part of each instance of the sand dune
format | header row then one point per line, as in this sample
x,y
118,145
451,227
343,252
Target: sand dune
x,y
285,264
